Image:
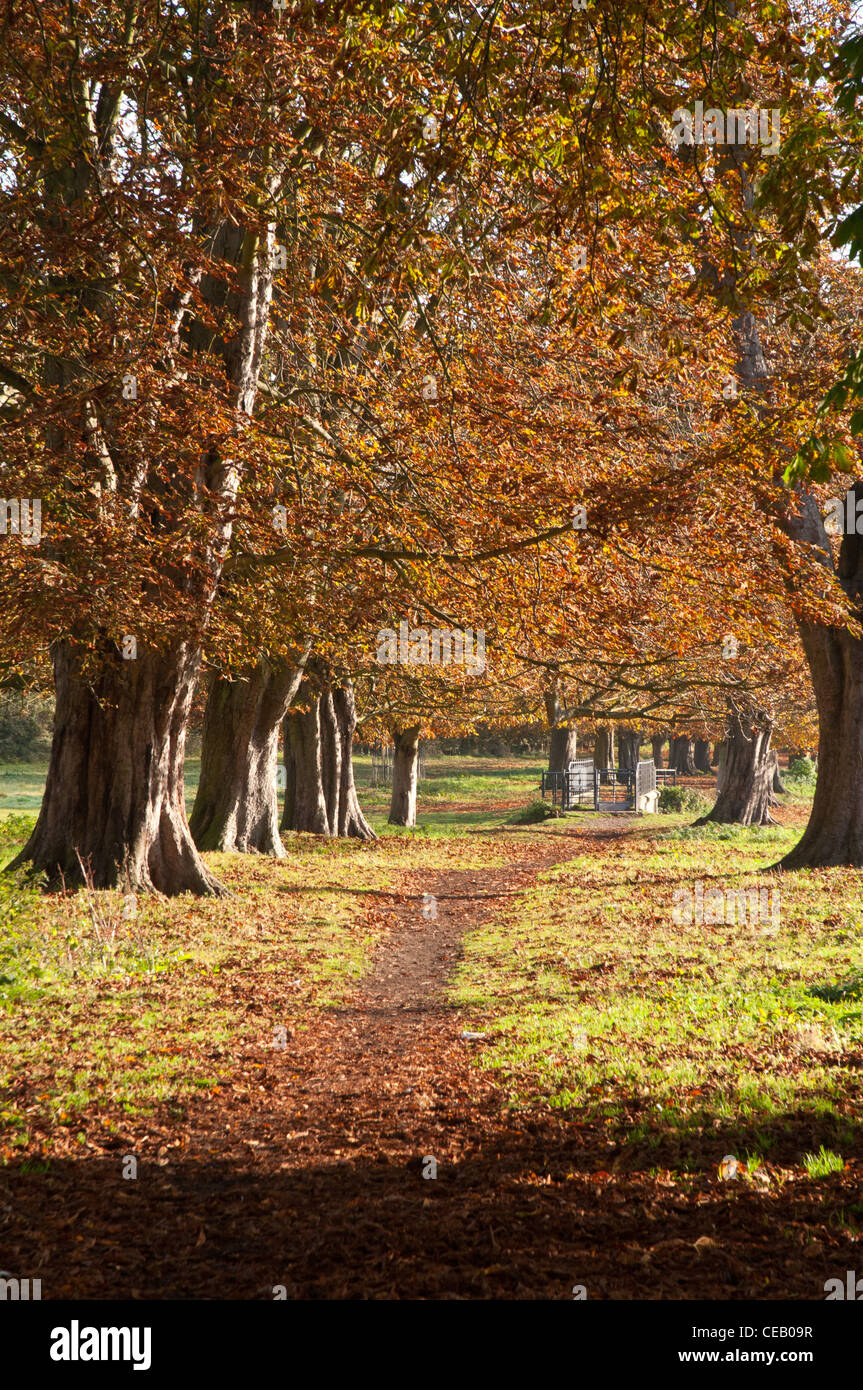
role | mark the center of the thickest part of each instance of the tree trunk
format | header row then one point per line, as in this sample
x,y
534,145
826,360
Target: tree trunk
x,y
777,784
331,760
681,756
702,755
743,788
290,775
629,743
350,822
603,748
303,751
722,749
563,749
717,754
657,743
834,834
114,794
564,738
236,808
403,806
320,792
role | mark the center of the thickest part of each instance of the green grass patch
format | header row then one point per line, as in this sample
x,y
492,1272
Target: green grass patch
x,y
601,1005
822,1164
109,1012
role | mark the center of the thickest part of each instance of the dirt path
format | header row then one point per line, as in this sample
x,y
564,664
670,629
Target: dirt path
x,y
395,1050
308,1172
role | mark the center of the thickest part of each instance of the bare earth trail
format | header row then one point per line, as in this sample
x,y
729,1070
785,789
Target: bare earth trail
x,y
307,1174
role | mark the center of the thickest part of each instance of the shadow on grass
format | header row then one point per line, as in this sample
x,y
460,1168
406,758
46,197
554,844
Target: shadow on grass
x,y
398,896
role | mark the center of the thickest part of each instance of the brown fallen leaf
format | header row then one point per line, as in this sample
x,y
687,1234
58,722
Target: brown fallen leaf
x,y
704,1243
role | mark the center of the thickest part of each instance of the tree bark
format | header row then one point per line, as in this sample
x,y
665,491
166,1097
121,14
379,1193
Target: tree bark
x,y
777,784
350,821
236,807
744,785
290,774
320,792
657,743
834,834
114,794
403,805
303,751
629,743
563,748
722,749
681,756
702,755
331,760
603,749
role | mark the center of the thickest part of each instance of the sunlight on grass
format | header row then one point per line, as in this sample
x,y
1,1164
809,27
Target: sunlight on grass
x,y
110,1013
600,1004
822,1164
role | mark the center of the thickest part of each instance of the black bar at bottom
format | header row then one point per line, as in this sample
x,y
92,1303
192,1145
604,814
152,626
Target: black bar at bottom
x,y
167,1340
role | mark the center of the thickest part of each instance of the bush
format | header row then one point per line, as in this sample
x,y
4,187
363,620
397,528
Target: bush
x,y
25,728
536,811
801,770
680,799
15,830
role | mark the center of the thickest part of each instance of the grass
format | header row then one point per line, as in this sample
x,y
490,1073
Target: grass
x,y
457,796
106,1013
22,785
822,1164
686,1042
685,1038
456,793
128,1013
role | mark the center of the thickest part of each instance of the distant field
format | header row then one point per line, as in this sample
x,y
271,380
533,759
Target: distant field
x,y
450,783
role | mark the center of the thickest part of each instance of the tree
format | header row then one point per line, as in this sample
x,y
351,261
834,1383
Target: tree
x,y
681,755
236,806
603,748
403,805
629,743
155,156
744,785
143,291
563,748
256,231
320,793
702,755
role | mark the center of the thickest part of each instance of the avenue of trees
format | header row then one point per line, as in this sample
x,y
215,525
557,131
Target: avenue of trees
x,y
322,322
